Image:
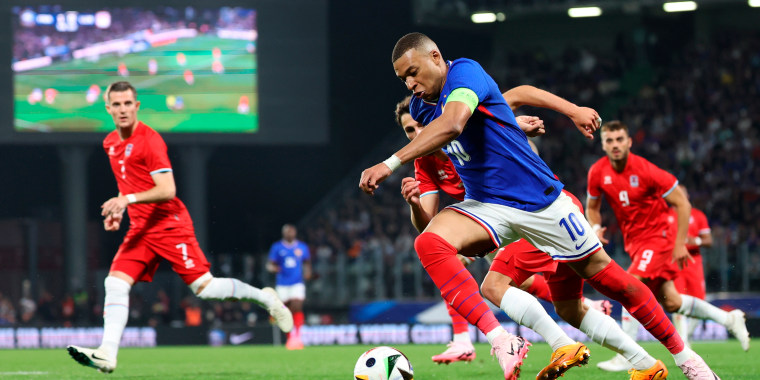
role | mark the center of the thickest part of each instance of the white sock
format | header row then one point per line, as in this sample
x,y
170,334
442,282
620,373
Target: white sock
x,y
683,356
697,308
604,330
115,314
462,337
681,323
587,302
629,324
525,310
491,335
221,288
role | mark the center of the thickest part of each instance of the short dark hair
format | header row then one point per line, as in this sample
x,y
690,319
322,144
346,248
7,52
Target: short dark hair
x,y
410,41
615,125
402,108
120,86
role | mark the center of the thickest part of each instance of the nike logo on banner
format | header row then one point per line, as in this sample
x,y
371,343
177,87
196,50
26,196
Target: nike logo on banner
x,y
578,246
240,338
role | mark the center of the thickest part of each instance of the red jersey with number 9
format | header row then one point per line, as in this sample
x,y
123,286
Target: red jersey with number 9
x,y
637,196
133,162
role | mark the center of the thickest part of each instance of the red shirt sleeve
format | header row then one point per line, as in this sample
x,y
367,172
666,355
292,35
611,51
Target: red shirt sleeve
x,y
156,158
700,219
592,187
661,182
421,174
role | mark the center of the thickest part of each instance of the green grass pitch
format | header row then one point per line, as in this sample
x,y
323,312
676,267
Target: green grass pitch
x,y
210,103
337,362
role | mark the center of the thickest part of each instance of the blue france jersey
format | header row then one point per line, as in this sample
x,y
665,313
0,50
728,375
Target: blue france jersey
x,y
290,258
492,155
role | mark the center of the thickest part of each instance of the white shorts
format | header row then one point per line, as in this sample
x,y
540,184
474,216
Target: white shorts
x,y
559,229
291,292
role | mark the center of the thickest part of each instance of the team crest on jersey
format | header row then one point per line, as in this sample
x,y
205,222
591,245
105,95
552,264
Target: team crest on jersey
x,y
607,180
298,252
634,180
128,150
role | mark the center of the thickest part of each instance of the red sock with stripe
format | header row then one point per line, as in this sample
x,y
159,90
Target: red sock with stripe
x,y
458,324
455,282
540,288
614,282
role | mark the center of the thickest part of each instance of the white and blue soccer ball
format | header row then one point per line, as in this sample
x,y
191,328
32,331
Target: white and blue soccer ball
x,y
383,363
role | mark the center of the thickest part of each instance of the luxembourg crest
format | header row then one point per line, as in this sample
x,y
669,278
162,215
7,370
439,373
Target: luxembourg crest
x,y
128,150
634,180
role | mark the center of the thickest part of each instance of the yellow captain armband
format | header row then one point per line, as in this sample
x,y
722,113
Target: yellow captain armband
x,y
464,95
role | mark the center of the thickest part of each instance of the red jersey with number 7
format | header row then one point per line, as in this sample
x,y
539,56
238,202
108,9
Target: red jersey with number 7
x,y
134,161
637,196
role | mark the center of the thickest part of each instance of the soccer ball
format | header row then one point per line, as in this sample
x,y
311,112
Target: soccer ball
x,y
383,363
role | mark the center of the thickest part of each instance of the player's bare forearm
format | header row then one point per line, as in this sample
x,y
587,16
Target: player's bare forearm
x,y
536,97
593,211
420,219
307,273
681,204
438,133
272,267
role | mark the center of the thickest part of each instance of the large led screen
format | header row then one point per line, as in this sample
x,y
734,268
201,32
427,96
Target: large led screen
x,y
195,68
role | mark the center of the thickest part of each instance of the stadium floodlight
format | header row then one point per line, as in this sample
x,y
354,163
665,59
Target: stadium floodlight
x,y
483,17
584,12
679,6
754,3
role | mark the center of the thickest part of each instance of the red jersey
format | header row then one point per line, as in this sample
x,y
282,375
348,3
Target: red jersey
x,y
434,174
636,195
697,226
133,162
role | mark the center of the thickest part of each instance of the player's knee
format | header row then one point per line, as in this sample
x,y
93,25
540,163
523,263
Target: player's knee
x,y
488,289
201,283
670,305
428,243
115,285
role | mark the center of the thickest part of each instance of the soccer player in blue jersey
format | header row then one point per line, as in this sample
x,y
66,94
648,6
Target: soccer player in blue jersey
x,y
290,259
510,194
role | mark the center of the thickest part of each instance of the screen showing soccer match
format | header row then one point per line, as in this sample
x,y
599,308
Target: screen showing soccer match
x,y
195,69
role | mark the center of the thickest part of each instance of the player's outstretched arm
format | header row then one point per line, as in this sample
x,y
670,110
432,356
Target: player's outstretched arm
x,y
164,190
594,216
435,136
681,204
422,209
586,119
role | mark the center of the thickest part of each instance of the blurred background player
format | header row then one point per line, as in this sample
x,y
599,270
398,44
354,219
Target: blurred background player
x,y
291,260
160,227
639,193
691,279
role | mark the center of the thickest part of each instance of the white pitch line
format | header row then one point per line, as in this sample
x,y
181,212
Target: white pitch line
x,y
27,373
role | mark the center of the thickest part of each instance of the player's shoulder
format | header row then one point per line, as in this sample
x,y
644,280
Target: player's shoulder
x,y
698,213
111,139
466,63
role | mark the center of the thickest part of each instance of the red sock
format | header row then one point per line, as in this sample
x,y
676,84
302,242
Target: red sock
x,y
456,284
614,282
540,288
458,323
297,323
